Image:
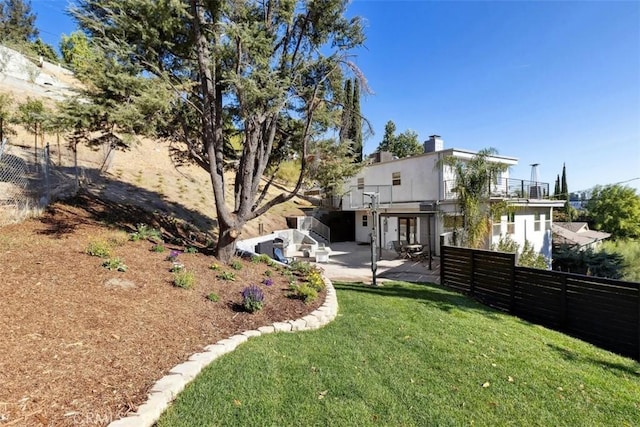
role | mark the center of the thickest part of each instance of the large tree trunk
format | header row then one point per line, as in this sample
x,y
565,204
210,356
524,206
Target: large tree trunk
x,y
226,248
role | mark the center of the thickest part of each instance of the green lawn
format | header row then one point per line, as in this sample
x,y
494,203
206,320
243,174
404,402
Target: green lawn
x,y
413,355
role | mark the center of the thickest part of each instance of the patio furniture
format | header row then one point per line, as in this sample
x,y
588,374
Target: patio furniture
x,y
400,249
322,253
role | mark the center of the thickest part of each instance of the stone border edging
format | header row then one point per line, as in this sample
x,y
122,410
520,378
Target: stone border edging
x,y
165,390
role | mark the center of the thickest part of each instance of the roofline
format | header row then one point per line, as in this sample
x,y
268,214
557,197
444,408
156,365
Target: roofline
x,y
449,151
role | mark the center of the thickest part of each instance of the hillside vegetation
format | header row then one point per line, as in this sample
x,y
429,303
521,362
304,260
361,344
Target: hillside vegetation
x,y
144,175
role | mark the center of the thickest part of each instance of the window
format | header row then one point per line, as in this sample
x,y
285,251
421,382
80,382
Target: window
x,y
360,183
536,221
365,221
511,223
395,178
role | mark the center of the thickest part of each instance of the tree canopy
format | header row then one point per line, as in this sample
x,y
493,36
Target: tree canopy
x,y
616,210
473,179
17,21
405,144
256,64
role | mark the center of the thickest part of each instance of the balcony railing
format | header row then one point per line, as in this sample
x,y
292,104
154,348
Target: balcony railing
x,y
507,188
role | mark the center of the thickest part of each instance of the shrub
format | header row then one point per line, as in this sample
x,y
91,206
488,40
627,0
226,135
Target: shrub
x,y
191,250
213,297
99,248
302,268
227,275
267,282
114,264
264,258
315,281
252,298
173,255
184,279
176,267
304,292
268,273
236,264
118,238
214,267
143,231
159,247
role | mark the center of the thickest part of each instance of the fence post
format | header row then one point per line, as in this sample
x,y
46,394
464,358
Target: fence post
x,y
563,301
512,284
473,272
47,183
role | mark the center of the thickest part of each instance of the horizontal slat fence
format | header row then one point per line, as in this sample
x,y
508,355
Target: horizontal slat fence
x,y
604,312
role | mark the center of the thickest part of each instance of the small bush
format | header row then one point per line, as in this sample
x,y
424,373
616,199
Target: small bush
x,y
114,264
268,273
184,279
213,297
173,255
301,267
315,281
227,275
214,267
191,250
304,292
99,248
143,231
252,298
262,258
176,267
268,282
159,247
236,264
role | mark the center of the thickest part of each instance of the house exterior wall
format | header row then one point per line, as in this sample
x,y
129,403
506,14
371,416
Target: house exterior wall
x,y
530,223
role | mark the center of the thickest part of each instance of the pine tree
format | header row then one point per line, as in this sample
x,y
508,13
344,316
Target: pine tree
x,y
262,63
556,190
356,123
17,21
564,190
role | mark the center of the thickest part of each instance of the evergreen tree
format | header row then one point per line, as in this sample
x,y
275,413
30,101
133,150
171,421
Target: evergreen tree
x,y
45,50
262,63
17,21
404,145
356,124
556,190
563,189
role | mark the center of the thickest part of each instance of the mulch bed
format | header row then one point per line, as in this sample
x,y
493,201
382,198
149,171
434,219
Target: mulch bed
x,y
78,347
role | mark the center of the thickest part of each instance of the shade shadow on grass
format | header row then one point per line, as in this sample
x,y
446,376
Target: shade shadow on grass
x,y
429,293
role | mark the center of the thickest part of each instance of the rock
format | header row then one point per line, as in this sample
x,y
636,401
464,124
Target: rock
x,y
116,283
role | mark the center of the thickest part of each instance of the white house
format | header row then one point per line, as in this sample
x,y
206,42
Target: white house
x,y
416,202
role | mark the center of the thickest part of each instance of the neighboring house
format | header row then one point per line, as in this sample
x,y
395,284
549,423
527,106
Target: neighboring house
x,y
416,202
577,235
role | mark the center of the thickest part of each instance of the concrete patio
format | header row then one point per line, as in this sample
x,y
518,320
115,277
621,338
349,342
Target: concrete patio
x,y
349,261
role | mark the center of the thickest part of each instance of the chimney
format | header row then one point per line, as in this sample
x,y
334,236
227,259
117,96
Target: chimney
x,y
433,144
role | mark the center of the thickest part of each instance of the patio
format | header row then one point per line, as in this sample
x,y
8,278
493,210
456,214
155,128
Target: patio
x,y
351,262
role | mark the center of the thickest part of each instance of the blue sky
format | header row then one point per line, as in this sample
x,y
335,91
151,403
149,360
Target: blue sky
x,y
547,82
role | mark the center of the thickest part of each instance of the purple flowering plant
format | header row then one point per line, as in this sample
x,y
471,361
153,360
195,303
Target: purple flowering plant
x,y
268,281
252,298
173,255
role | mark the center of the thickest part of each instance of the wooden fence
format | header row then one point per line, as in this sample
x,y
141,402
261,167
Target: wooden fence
x,y
604,312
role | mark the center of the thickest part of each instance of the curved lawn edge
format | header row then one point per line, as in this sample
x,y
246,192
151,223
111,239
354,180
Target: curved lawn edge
x,y
166,389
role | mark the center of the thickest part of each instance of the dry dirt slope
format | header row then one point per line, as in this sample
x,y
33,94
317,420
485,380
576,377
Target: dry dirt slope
x,y
143,175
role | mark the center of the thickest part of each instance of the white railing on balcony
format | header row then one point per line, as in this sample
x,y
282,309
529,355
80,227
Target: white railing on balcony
x,y
356,198
309,223
507,188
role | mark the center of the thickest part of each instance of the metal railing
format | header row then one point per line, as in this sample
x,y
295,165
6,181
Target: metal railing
x,y
309,223
356,198
508,188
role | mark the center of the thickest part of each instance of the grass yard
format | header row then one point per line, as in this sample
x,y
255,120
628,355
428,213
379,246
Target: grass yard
x,y
414,355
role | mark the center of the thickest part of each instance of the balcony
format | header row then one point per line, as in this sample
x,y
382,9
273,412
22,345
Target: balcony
x,y
507,188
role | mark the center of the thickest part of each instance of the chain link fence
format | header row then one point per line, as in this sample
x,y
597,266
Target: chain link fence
x,y
30,180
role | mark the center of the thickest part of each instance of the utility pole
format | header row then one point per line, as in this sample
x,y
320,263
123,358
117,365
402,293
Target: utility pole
x,y
374,234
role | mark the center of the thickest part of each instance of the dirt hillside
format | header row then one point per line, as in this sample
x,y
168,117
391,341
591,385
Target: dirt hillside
x,y
143,176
